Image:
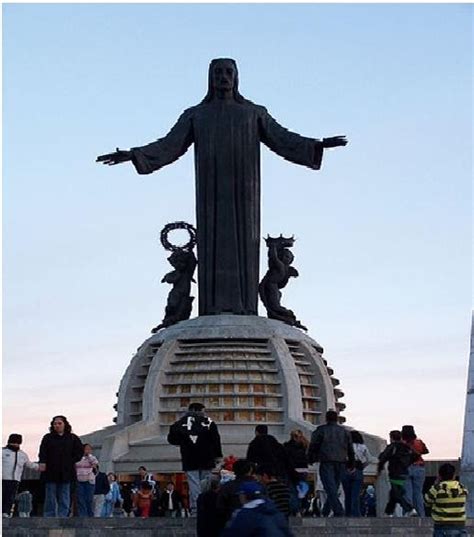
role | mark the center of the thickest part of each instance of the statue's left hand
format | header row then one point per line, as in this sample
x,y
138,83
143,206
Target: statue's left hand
x,y
334,141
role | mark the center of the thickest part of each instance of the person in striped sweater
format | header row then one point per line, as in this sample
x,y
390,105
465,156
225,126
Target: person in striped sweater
x,y
447,499
276,490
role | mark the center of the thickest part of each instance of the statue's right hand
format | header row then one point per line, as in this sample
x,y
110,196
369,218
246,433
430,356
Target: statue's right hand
x,y
111,159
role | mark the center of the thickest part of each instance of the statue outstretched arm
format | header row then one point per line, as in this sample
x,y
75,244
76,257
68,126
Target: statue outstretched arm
x,y
292,146
153,156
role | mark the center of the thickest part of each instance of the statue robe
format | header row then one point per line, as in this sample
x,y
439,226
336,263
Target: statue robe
x,y
226,136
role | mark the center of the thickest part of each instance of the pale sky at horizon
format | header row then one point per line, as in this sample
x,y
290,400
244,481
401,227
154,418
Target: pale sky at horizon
x,y
383,230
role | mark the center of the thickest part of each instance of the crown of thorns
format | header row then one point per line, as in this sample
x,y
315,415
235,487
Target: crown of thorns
x,y
178,225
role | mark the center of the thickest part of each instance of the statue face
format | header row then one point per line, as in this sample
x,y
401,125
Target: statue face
x,y
287,257
223,76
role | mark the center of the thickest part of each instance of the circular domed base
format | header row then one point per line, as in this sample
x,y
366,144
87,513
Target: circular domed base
x,y
245,370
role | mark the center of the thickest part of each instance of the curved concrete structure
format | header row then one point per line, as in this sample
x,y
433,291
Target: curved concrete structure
x,y
245,369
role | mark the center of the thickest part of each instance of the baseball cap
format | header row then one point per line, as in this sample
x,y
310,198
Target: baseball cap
x,y
251,488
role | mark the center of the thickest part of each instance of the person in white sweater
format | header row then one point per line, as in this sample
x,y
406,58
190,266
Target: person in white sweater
x,y
354,477
13,462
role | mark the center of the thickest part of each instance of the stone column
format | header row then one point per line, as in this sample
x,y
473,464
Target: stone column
x,y
467,459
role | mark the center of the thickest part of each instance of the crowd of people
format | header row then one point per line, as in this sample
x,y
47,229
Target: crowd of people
x,y
231,496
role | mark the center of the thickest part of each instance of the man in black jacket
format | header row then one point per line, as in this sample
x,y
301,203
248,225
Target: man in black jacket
x,y
331,446
200,445
170,501
60,449
265,449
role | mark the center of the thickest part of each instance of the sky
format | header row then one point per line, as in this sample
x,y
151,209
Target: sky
x,y
383,230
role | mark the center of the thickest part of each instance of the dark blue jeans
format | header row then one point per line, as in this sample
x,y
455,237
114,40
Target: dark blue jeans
x,y
331,474
57,501
352,484
414,488
85,498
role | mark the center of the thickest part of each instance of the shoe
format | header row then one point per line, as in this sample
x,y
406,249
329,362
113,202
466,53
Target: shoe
x,y
413,512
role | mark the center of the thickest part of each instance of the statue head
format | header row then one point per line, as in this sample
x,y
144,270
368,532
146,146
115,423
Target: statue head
x,y
179,259
287,256
183,261
223,78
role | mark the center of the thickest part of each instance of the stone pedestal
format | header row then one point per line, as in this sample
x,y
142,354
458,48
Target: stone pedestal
x,y
245,369
179,527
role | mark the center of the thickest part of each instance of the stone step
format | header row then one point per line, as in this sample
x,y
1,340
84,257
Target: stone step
x,y
257,359
186,527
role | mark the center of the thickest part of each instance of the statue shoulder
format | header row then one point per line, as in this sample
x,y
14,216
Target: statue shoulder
x,y
260,109
189,112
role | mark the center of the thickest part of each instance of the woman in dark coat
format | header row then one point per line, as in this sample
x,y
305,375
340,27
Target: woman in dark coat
x,y
59,451
296,449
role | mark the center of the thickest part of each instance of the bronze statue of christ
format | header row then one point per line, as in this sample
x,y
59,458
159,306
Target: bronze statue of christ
x,y
226,130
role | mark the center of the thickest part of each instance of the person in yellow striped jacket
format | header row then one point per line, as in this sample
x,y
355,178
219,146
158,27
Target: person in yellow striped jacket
x,y
447,499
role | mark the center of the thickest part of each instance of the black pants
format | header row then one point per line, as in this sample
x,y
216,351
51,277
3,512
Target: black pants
x,y
397,496
9,488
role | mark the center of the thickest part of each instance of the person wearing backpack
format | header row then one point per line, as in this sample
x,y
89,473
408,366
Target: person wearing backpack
x,y
354,478
399,457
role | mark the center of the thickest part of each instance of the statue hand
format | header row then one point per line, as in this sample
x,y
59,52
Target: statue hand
x,y
334,141
115,158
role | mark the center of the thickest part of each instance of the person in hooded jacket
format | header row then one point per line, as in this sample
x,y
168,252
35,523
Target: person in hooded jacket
x,y
399,457
59,451
13,462
447,499
200,444
258,515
